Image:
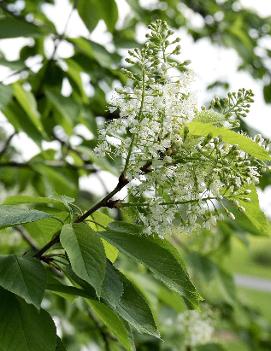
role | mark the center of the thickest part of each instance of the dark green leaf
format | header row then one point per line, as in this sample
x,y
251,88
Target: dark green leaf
x,y
156,254
59,345
267,93
109,12
91,11
88,12
112,287
135,309
23,276
86,253
22,327
14,215
13,28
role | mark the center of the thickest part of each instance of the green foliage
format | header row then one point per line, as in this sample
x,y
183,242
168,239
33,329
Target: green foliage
x,y
24,328
86,253
170,268
114,323
13,28
23,276
13,215
244,142
103,279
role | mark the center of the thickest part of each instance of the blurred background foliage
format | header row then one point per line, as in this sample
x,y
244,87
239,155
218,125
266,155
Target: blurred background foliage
x,y
59,102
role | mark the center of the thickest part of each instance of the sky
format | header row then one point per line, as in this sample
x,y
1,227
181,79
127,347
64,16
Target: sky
x,y
209,62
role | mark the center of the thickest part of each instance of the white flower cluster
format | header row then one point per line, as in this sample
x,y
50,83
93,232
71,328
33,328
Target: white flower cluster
x,y
196,327
174,178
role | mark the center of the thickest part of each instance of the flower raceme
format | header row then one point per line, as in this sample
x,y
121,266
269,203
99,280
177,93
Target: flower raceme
x,y
175,178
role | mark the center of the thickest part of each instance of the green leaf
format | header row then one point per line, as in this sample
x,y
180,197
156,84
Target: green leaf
x,y
102,220
94,51
23,276
228,136
109,13
74,73
91,11
27,101
113,323
88,13
134,308
5,95
67,108
112,289
86,253
13,28
157,255
56,182
14,215
22,327
21,121
59,345
267,93
215,284
26,199
254,216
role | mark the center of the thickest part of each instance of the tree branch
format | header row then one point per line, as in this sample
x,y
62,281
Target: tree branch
x,y
102,203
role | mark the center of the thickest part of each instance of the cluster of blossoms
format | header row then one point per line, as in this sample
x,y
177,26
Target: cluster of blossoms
x,y
175,178
196,327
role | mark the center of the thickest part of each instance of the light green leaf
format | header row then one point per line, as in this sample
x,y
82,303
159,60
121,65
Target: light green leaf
x,y
158,255
14,215
22,327
21,121
13,28
86,253
56,182
102,220
27,101
244,143
23,276
113,323
73,72
94,51
5,95
26,199
254,216
67,108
